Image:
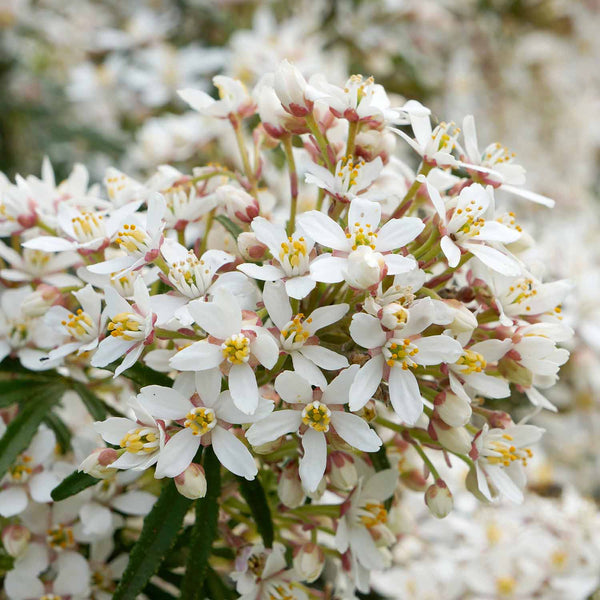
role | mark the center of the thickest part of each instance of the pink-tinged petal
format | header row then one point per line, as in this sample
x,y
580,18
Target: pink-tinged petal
x,y
364,212
436,349
134,502
208,385
13,501
312,464
397,264
265,349
163,402
355,431
308,370
300,287
199,356
366,382
328,269
73,575
277,424
232,453
495,260
396,233
49,243
366,331
114,429
42,484
323,357
487,385
269,234
405,395
324,316
262,273
381,485
337,392
177,454
243,388
451,251
324,230
293,388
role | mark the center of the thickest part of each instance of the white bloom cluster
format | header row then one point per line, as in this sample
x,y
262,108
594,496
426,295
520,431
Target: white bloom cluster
x,y
323,341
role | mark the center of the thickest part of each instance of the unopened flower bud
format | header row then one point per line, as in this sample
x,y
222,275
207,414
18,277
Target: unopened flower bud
x,y
309,560
15,539
515,372
455,439
250,248
289,487
192,482
238,203
452,410
464,321
499,419
414,479
439,499
342,474
97,463
38,302
365,268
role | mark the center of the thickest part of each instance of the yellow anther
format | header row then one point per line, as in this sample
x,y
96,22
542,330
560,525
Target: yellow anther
x,y
317,416
471,362
200,420
236,349
142,440
373,514
60,537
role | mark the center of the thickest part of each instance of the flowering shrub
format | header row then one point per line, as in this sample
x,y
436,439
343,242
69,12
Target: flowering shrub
x,y
284,361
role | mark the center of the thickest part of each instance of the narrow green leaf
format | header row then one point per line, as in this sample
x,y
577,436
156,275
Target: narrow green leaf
x,y
216,589
153,591
254,495
233,229
204,530
160,529
61,431
380,459
17,390
73,484
22,428
142,375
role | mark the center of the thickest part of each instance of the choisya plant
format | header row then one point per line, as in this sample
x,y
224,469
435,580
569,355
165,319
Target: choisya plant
x,y
272,347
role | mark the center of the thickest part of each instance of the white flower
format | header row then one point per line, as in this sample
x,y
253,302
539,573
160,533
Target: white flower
x,y
361,253
233,99
297,334
296,96
206,418
501,455
232,343
471,228
291,255
312,417
393,357
351,177
130,327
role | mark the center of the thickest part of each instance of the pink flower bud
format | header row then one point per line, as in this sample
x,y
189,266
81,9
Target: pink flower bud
x,y
238,203
455,439
192,482
452,410
439,499
309,560
97,463
250,248
342,473
15,539
289,487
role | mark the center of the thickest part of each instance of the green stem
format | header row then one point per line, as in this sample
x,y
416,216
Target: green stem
x,y
412,190
426,460
209,221
353,127
289,154
239,136
321,140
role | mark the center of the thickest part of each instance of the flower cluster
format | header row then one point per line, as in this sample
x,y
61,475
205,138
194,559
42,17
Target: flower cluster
x,y
320,343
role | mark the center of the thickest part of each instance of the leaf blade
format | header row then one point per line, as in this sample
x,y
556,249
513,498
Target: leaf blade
x,y
74,483
254,495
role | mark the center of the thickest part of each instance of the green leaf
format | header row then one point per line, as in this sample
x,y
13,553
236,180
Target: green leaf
x,y
142,375
73,484
61,431
97,408
22,428
17,390
254,495
160,529
204,530
153,591
380,459
215,588
232,227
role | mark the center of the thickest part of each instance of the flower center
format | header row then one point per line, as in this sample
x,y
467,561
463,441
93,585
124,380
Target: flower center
x,y
88,226
236,349
443,137
50,597
294,333
190,276
133,239
36,260
348,171
496,154
293,255
60,537
142,440
18,333
79,325
21,469
400,352
362,236
471,362
506,453
200,420
129,326
281,591
317,416
256,564
505,586
373,514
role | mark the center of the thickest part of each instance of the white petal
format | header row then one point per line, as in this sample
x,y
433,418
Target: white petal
x,y
13,501
243,388
20,585
324,316
397,264
492,387
323,357
324,230
293,388
265,349
364,212
177,454
134,502
364,548
213,319
208,385
355,431
73,575
109,350
308,370
227,411
366,382
495,260
163,402
197,357
312,464
396,233
49,243
381,485
269,234
366,331
492,350
42,484
436,349
300,287
232,453
277,424
262,273
451,251
95,518
337,392
114,429
405,395
328,269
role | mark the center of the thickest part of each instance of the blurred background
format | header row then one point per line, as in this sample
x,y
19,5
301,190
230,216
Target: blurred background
x,y
95,82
